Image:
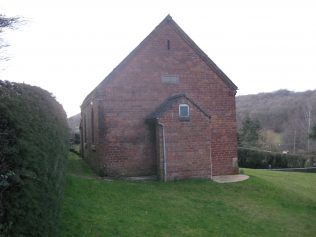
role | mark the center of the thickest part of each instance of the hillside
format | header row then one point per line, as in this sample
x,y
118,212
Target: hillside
x,y
283,112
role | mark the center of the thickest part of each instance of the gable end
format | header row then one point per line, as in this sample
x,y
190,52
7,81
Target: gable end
x,y
186,38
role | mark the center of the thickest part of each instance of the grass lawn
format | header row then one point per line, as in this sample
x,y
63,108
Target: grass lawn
x,y
268,204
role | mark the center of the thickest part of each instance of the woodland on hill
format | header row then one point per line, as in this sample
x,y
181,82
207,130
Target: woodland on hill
x,y
285,118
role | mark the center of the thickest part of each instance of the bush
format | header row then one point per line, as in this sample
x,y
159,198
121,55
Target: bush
x,y
33,150
258,159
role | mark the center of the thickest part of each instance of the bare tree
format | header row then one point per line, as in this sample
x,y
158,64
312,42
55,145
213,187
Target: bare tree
x,y
6,23
313,132
294,134
307,117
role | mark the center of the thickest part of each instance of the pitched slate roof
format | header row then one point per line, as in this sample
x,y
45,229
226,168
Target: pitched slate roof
x,y
168,20
169,102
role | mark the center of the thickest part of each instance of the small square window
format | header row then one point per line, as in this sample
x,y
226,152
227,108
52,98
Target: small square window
x,y
184,111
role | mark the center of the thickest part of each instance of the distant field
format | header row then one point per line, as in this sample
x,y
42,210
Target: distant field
x,y
268,204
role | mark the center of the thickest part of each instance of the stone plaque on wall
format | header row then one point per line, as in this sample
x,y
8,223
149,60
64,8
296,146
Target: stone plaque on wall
x,y
170,79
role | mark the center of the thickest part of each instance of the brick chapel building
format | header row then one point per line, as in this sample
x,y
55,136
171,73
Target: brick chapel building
x,y
165,110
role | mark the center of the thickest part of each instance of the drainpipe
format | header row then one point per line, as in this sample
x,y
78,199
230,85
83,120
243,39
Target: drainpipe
x,y
211,163
211,158
164,152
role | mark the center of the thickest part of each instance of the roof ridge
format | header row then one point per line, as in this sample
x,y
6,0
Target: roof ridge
x,y
168,17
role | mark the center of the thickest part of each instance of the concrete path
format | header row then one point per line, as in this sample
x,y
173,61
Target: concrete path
x,y
136,178
230,178
142,178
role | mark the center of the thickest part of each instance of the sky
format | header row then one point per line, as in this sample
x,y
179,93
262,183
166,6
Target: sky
x,y
69,46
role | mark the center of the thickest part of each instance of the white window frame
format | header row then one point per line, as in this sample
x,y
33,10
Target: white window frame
x,y
187,106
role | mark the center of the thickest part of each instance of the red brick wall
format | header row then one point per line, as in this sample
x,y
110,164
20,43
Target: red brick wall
x,y
187,143
135,89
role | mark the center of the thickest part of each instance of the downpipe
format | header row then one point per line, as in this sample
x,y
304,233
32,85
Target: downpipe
x,y
164,152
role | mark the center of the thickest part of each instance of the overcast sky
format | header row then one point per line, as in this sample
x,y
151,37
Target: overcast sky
x,y
68,46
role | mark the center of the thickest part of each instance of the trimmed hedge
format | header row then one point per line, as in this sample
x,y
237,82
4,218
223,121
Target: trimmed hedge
x,y
258,159
33,150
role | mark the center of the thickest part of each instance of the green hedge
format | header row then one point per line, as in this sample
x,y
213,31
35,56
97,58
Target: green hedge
x,y
33,150
258,159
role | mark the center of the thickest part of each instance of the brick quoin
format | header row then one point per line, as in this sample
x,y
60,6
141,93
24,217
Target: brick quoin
x,y
123,136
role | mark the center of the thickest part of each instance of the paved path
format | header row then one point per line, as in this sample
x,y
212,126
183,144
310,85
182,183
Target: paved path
x,y
230,178
218,179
